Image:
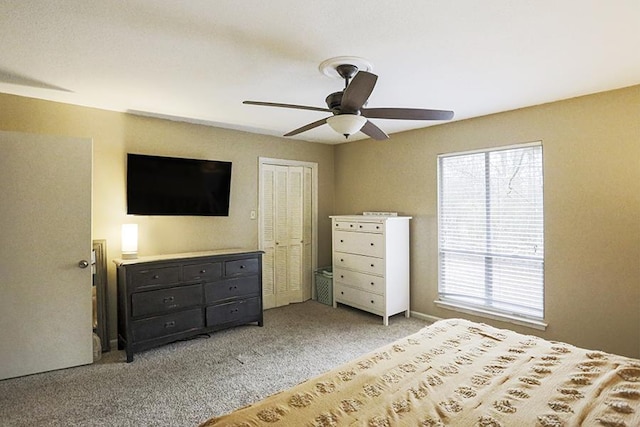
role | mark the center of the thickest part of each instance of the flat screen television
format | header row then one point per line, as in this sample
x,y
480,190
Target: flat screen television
x,y
175,186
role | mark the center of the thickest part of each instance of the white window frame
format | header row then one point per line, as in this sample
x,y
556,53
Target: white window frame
x,y
480,310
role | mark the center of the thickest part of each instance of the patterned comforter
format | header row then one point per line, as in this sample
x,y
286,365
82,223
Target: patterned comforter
x,y
459,373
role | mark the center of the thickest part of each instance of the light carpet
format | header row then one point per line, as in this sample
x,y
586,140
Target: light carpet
x,y
187,382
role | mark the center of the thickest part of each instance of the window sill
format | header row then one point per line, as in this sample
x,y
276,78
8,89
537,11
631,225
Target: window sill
x,y
529,323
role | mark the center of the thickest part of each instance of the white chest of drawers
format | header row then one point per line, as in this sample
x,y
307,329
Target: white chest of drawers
x,y
371,263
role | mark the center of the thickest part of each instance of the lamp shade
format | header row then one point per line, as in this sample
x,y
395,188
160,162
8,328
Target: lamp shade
x,y
346,124
129,240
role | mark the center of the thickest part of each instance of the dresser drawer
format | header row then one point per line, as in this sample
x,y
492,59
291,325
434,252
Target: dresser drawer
x,y
155,277
238,287
233,311
205,272
370,227
366,282
359,298
345,225
359,243
161,326
363,263
164,300
241,267
366,227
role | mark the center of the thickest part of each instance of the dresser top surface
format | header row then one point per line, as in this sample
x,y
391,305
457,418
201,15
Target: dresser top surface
x,y
184,255
369,217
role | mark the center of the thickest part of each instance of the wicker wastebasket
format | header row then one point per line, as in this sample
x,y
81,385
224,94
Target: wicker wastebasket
x,y
324,285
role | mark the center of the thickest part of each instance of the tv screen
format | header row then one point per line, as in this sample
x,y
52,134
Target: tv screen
x,y
175,186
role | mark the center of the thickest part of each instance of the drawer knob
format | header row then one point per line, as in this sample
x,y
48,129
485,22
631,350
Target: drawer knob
x,y
203,271
341,241
341,260
371,265
371,244
372,284
170,324
371,301
241,267
342,276
156,277
342,292
168,299
377,227
350,225
360,226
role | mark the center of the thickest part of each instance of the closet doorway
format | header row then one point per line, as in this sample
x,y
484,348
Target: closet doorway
x,y
287,229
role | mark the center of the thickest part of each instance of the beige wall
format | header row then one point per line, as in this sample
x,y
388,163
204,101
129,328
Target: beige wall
x,y
115,134
591,149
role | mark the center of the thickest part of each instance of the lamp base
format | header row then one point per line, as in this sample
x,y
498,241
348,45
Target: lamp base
x,y
129,255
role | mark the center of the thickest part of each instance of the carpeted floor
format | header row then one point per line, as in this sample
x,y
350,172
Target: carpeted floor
x,y
185,383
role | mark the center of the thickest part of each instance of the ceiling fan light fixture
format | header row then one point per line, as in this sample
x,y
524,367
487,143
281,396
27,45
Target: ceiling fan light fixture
x,y
346,124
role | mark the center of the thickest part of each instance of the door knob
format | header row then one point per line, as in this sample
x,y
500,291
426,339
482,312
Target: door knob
x,y
83,264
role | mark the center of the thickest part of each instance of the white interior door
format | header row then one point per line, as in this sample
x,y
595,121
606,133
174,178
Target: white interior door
x,y
307,234
290,222
45,218
286,229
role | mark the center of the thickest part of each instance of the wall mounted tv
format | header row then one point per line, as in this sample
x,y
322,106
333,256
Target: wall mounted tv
x,y
175,186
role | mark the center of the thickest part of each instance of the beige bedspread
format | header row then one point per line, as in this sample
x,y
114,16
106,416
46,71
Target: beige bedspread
x,y
459,373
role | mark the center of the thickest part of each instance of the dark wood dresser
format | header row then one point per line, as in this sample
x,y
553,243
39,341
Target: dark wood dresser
x,y
166,298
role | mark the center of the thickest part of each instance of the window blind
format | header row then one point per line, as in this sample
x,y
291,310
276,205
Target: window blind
x,y
491,230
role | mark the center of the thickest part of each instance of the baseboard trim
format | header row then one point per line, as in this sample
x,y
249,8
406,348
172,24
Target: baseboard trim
x,y
426,317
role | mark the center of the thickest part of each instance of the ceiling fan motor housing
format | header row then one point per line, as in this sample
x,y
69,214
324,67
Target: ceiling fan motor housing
x,y
333,102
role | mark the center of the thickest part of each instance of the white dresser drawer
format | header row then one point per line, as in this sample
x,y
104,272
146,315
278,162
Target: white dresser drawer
x,y
366,227
363,263
359,243
370,227
345,225
366,282
359,298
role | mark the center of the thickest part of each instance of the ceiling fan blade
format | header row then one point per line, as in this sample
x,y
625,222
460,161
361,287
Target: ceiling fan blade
x,y
357,92
307,127
297,107
406,113
373,131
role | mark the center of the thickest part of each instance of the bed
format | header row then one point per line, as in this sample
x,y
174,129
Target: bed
x,y
459,373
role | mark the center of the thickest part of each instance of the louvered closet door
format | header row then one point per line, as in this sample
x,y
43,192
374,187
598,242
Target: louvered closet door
x,y
307,236
286,234
289,256
267,217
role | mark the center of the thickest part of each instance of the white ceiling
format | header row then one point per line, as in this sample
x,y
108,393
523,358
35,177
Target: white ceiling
x,y
197,60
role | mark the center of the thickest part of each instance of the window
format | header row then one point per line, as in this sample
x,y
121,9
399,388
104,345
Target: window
x,y
491,231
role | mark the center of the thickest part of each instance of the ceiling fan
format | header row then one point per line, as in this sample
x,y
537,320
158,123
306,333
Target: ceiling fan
x,y
348,105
